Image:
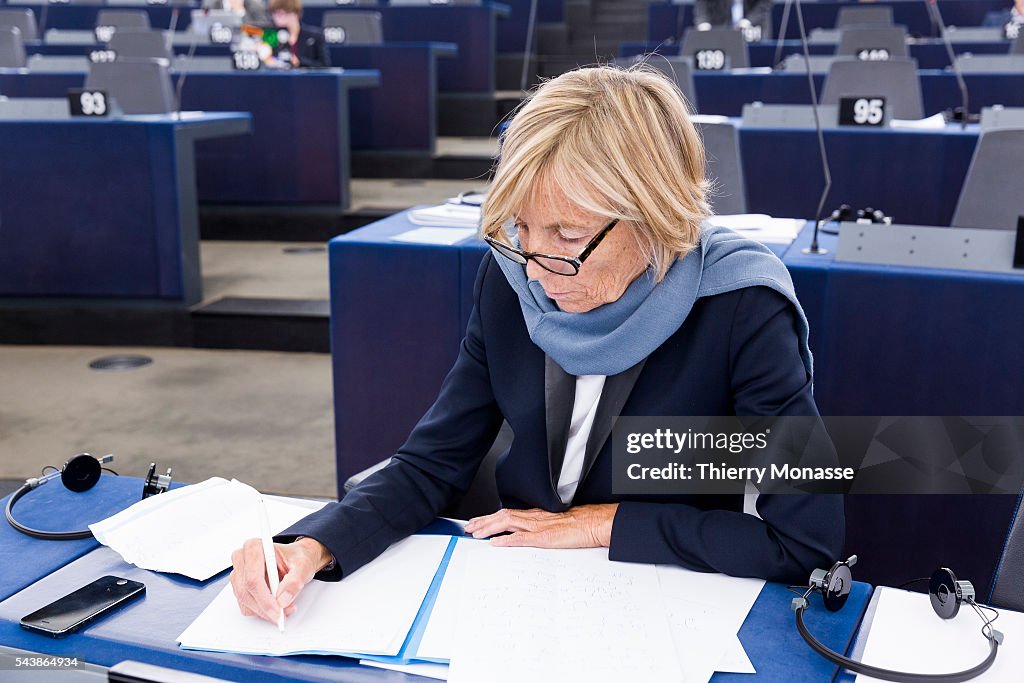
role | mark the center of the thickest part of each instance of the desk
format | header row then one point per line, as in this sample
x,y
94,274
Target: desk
x,y
401,114
146,630
720,92
299,150
663,18
472,28
104,208
913,175
929,55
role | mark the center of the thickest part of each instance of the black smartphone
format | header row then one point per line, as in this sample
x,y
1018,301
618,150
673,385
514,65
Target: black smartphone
x,y
78,608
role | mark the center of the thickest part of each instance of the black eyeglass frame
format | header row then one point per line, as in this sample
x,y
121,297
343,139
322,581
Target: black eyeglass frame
x,y
574,261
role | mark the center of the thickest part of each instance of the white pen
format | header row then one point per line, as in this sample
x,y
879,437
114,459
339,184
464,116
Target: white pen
x,y
271,559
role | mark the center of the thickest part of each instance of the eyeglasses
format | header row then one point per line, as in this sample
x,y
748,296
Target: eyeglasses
x,y
559,265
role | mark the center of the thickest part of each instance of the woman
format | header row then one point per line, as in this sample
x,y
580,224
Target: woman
x,y
306,44
637,310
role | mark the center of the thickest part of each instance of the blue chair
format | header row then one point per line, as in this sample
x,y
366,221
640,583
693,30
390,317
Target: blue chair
x,y
1008,582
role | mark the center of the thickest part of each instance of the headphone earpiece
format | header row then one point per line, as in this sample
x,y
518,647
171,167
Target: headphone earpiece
x,y
80,473
834,585
947,594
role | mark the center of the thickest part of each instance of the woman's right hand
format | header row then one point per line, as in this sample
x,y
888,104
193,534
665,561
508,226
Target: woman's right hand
x,y
297,563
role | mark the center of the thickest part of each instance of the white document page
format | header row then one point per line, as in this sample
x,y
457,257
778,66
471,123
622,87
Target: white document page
x,y
436,671
761,227
536,615
368,612
449,215
444,236
907,635
706,611
193,530
438,640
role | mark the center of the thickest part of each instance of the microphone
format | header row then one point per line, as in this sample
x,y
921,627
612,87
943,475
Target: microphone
x,y
936,16
815,248
184,74
782,34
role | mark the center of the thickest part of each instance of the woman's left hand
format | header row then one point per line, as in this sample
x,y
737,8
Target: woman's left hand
x,y
586,526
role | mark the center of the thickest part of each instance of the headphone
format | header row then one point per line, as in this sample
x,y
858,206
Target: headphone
x,y
78,474
946,595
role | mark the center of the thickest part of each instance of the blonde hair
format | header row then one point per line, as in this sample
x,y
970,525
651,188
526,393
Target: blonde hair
x,y
617,143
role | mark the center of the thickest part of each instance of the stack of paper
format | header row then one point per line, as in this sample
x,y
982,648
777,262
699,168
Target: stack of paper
x,y
449,215
906,635
193,530
761,227
449,608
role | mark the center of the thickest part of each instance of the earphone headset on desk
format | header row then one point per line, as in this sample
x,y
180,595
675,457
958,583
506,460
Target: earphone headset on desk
x,y
946,595
78,474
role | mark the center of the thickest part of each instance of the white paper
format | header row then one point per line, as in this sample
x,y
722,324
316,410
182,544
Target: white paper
x,y
444,236
559,615
193,530
934,122
369,612
437,671
438,641
447,215
907,635
705,612
761,227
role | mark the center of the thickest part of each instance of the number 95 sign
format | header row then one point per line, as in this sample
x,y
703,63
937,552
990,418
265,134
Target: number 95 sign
x,y
862,111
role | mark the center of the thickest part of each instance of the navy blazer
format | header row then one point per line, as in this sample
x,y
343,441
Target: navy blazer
x,y
736,353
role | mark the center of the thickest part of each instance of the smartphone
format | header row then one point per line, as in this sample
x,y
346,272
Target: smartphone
x,y
78,608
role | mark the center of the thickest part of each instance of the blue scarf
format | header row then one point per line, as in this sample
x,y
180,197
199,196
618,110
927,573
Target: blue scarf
x,y
614,337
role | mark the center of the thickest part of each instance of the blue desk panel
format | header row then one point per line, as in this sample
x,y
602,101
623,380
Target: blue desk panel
x,y
726,93
24,560
401,114
471,27
915,176
930,55
298,152
146,631
663,19
104,208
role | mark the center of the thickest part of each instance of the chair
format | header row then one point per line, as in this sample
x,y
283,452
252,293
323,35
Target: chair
x,y
892,39
136,44
138,86
724,168
1009,574
12,49
877,14
123,18
679,69
725,39
357,27
896,80
993,193
22,19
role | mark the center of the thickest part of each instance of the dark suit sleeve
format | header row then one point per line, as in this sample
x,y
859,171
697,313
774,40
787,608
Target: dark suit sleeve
x,y
436,463
795,533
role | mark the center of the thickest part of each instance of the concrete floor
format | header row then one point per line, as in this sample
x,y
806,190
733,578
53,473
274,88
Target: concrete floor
x,y
263,270
263,418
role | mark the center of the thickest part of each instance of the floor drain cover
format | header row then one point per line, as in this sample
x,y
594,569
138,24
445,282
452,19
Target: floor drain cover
x,y
118,363
304,250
